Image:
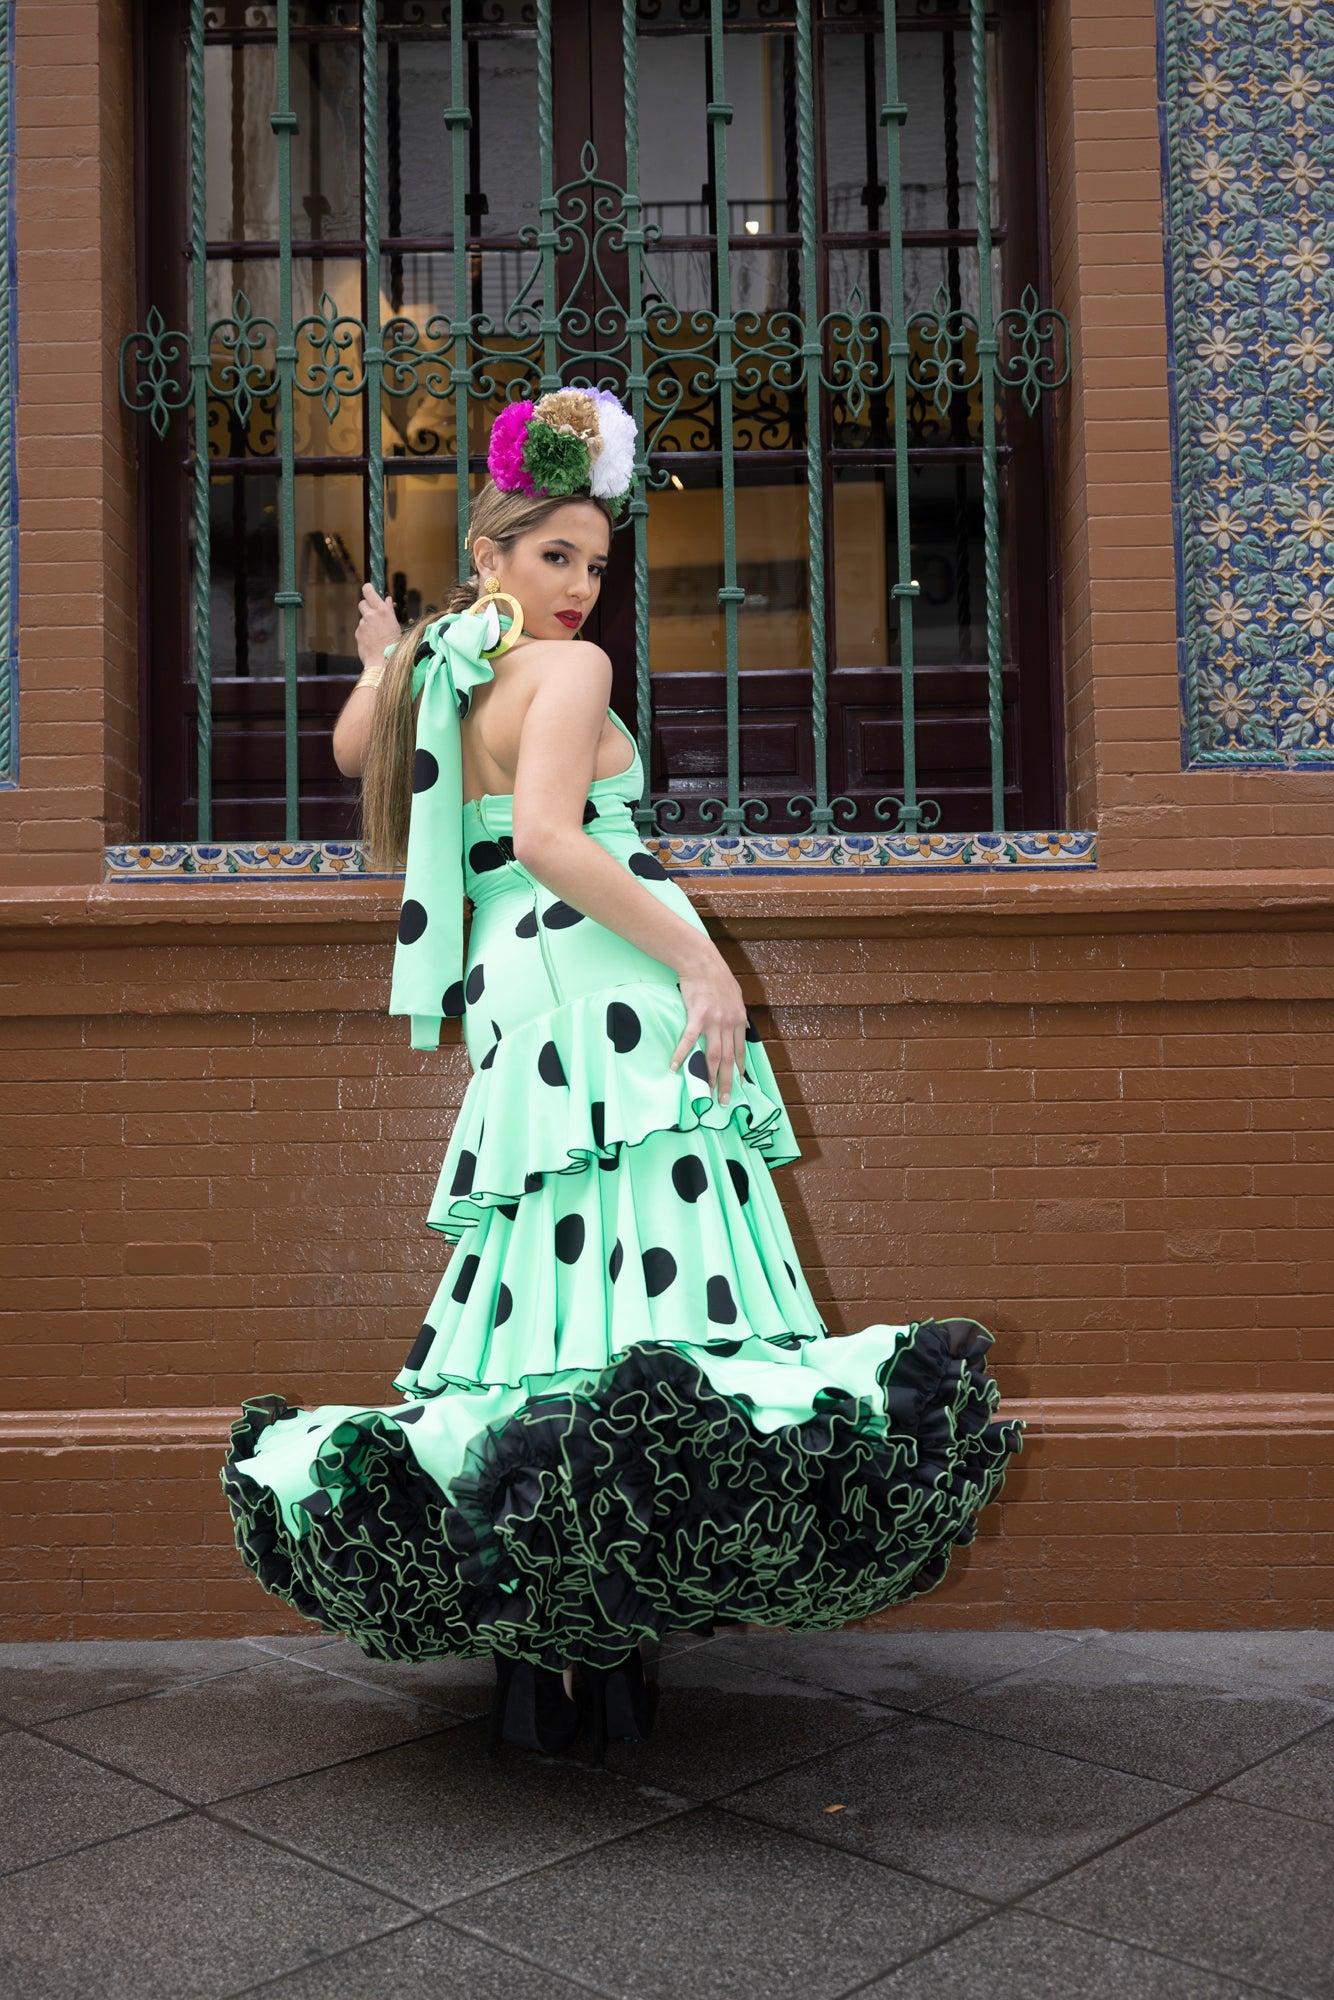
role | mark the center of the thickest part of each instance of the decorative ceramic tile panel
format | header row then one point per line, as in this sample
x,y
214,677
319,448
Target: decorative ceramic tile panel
x,y
1247,89
751,855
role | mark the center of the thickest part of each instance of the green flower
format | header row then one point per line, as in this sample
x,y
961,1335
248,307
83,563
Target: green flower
x,y
556,462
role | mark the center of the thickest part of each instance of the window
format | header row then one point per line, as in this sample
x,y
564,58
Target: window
x,y
865,630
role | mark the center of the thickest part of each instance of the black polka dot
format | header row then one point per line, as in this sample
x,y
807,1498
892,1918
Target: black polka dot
x,y
464,702
623,1027
721,1304
463,1282
740,1181
752,1032
505,842
527,925
609,1166
560,916
317,1502
489,1057
590,813
509,1209
420,1347
452,1003
485,855
615,1261
727,1347
597,1112
549,1065
411,921
412,1416
504,1305
425,771
648,868
659,1270
791,1274
570,1238
698,1065
790,1342
464,1172
531,1183
475,984
689,1178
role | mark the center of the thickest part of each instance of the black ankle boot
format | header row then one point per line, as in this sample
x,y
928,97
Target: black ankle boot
x,y
531,1708
620,1702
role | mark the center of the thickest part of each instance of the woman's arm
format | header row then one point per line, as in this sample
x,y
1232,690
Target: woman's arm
x,y
377,627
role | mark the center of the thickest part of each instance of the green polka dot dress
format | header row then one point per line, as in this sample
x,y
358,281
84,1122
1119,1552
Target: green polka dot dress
x,y
623,1414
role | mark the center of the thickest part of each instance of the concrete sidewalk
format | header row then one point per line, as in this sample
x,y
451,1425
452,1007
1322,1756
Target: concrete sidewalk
x,y
971,1816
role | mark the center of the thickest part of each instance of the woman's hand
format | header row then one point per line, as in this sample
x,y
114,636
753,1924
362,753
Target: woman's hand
x,y
716,1010
377,626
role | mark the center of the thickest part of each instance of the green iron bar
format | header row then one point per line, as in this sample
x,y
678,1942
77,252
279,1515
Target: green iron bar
x,y
636,383
200,354
987,351
821,812
548,235
372,347
731,597
912,815
287,597
458,121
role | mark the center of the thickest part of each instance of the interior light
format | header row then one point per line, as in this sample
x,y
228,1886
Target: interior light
x,y
752,226
678,484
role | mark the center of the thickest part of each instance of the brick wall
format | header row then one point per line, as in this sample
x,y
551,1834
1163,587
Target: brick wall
x,y
1117,550
78,670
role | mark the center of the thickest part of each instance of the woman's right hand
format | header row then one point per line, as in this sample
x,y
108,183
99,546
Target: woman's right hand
x,y
377,626
715,1010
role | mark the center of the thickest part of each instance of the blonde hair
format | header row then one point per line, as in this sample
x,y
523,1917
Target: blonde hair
x,y
386,783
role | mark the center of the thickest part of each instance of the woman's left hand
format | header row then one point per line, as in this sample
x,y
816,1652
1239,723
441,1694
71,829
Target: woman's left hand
x,y
377,626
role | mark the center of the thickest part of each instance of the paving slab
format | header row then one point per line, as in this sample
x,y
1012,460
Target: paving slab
x,y
54,1801
721,1724
44,1679
1181,1724
1015,1956
428,1961
464,1687
439,1819
185,1911
1300,1661
909,1670
993,1817
1299,1780
719,1908
1231,1887
210,1738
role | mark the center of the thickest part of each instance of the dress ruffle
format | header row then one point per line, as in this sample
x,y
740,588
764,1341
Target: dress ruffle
x,y
574,1085
612,1506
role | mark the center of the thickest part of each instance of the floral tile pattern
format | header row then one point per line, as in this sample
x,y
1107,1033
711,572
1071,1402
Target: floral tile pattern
x,y
1247,104
749,854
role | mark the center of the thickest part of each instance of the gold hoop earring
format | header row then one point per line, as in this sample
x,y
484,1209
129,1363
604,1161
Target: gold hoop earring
x,y
493,594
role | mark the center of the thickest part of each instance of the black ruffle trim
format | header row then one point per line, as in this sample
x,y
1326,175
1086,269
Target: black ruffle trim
x,y
648,1504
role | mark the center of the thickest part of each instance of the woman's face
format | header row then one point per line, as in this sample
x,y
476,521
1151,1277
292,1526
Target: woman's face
x,y
555,570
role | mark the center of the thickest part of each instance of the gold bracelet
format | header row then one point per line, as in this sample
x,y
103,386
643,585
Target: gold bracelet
x,y
370,677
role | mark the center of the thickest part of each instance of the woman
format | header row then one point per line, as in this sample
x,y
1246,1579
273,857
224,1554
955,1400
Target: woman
x,y
623,1413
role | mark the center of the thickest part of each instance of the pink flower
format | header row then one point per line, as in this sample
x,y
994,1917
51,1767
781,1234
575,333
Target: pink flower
x,y
504,458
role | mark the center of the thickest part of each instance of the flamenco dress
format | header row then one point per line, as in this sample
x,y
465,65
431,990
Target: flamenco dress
x,y
623,1414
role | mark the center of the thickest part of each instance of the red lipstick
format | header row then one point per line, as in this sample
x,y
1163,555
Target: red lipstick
x,y
574,619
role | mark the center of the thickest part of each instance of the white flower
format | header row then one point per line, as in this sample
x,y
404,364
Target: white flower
x,y
614,466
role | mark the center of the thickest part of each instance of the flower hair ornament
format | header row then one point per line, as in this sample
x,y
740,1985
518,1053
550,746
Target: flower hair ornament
x,y
572,441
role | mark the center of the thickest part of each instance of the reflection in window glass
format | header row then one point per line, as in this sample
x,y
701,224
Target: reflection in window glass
x,y
420,541
936,83
241,180
945,508
330,564
685,541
